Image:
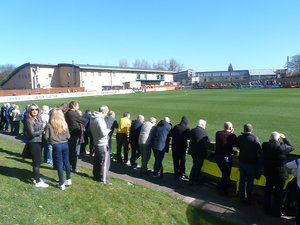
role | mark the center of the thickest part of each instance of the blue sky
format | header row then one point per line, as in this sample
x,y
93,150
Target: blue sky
x,y
202,35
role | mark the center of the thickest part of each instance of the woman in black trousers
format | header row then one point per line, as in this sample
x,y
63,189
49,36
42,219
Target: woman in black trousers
x,y
34,130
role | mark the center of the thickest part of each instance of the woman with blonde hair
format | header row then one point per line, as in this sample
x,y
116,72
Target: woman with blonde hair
x,y
57,133
34,130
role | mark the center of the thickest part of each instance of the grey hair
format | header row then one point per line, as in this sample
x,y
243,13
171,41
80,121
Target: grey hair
x,y
275,136
152,120
201,123
228,125
103,108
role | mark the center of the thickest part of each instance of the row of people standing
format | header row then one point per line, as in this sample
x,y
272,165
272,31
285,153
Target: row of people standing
x,y
272,155
10,116
144,136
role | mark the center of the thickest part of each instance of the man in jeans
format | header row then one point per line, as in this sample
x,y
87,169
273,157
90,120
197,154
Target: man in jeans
x,y
74,120
100,133
249,147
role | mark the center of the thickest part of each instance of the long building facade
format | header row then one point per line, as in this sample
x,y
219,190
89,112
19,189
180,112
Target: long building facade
x,y
90,77
191,77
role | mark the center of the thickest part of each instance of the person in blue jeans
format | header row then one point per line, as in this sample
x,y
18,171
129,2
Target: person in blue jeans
x,y
249,147
57,133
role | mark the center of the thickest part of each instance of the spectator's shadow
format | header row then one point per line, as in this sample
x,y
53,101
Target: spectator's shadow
x,y
23,175
10,153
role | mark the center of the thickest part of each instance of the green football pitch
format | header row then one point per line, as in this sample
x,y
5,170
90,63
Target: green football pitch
x,y
266,109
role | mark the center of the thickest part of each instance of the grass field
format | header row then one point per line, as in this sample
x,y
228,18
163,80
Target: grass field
x,y
86,201
267,109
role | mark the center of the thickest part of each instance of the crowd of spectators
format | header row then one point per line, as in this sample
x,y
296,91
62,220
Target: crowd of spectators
x,y
62,133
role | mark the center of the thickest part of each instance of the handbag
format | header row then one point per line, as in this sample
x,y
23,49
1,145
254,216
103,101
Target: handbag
x,y
26,152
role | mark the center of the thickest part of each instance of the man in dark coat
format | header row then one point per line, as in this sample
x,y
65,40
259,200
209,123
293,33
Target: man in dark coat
x,y
198,150
225,141
180,134
275,158
2,116
134,134
160,144
74,120
249,147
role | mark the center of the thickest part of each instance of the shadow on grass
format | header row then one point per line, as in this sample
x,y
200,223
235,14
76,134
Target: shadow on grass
x,y
10,153
23,175
19,138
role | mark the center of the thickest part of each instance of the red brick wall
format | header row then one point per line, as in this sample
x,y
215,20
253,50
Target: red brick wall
x,y
40,91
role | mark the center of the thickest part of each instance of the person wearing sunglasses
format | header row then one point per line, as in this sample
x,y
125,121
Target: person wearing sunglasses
x,y
34,130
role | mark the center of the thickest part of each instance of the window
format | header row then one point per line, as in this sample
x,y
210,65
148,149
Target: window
x,y
160,77
49,75
141,76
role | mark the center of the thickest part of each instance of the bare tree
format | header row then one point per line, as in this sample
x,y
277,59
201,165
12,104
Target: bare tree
x,y
5,70
123,63
174,65
294,64
141,63
160,65
170,65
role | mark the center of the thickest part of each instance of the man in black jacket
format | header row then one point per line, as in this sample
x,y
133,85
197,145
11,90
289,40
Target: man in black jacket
x,y
180,134
198,150
160,144
75,122
275,158
249,147
134,134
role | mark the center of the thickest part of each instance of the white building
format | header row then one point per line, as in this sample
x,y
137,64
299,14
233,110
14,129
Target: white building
x,y
262,74
91,77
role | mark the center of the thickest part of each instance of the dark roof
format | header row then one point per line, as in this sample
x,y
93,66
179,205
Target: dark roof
x,y
117,68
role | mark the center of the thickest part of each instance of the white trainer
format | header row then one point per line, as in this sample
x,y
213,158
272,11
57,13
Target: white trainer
x,y
41,184
62,187
68,182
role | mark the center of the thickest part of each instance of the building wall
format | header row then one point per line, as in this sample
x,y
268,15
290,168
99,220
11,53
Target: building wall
x,y
34,76
21,80
69,76
92,80
42,76
169,78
